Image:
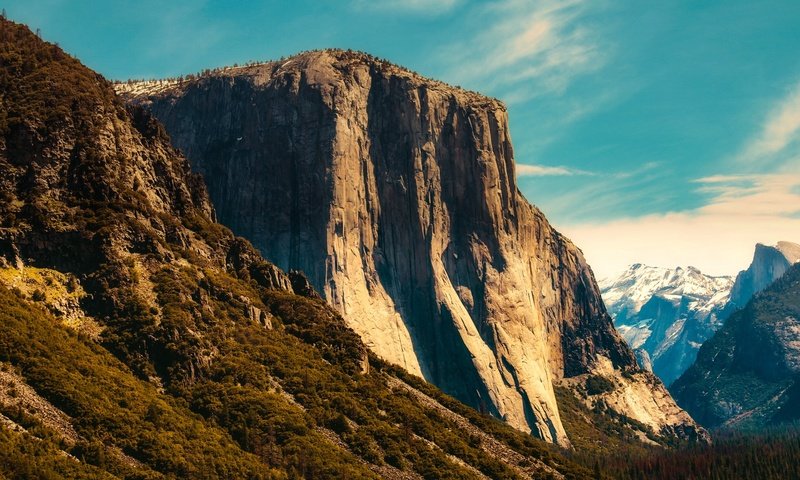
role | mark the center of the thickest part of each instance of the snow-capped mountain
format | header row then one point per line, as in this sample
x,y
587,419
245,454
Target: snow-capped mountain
x,y
666,313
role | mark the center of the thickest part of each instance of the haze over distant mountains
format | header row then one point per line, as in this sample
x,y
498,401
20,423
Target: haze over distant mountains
x,y
667,314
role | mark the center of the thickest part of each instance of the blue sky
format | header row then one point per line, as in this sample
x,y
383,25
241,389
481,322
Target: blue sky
x,y
661,132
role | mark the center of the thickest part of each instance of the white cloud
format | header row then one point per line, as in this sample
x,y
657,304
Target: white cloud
x,y
781,129
742,210
527,49
411,6
605,193
526,170
718,238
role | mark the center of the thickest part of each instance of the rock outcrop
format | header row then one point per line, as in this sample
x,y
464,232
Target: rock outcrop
x,y
87,180
206,364
769,264
396,195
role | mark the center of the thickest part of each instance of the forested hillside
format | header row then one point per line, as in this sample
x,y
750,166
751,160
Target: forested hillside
x,y
140,339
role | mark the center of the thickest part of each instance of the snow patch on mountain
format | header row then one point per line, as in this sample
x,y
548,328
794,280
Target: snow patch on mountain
x,y
666,312
629,292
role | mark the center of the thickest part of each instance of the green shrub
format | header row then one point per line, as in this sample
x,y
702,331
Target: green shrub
x,y
596,384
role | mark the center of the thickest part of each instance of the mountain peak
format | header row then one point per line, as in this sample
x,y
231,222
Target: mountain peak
x,y
397,197
769,263
789,250
666,312
200,361
747,374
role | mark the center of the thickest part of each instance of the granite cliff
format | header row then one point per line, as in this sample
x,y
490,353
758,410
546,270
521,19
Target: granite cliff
x,y
139,339
396,195
769,263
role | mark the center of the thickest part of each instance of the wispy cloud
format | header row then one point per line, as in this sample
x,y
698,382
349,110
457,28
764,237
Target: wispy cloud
x,y
526,170
597,194
408,6
526,49
752,195
762,205
717,237
781,129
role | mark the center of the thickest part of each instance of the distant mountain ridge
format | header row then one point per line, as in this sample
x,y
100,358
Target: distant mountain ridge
x,y
666,314
748,374
769,263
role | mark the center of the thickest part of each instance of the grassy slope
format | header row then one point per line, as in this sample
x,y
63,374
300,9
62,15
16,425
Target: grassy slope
x,y
110,405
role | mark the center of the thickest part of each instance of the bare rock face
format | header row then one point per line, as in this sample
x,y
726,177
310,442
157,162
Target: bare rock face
x,y
644,359
769,264
396,195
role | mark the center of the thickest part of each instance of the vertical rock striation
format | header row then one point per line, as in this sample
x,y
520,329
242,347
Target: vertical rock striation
x,y
769,264
396,195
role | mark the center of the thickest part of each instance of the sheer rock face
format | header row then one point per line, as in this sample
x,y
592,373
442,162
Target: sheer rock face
x,y
769,264
396,196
